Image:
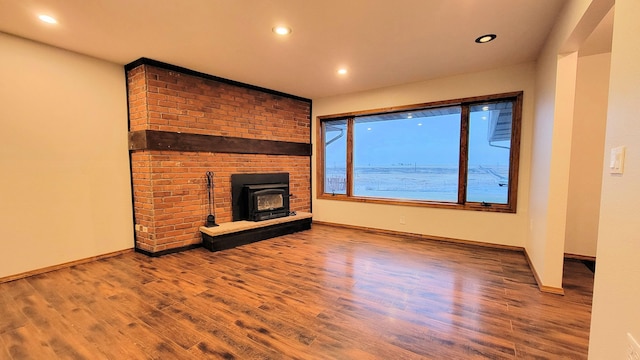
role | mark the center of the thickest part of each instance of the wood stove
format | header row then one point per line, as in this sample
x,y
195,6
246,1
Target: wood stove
x,y
258,197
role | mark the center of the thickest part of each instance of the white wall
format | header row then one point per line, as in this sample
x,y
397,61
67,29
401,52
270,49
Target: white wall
x,y
65,187
587,154
617,282
495,228
553,130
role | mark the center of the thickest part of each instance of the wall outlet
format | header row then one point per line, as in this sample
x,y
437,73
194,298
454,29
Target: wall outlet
x,y
138,227
633,350
403,221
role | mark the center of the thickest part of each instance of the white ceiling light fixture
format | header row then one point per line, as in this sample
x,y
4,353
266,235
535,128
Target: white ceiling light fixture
x,y
342,71
486,38
48,19
282,30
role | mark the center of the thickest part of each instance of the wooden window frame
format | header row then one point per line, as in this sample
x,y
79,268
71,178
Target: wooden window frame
x,y
461,204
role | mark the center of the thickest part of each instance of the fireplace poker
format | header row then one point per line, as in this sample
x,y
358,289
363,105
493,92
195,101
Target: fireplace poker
x,y
211,218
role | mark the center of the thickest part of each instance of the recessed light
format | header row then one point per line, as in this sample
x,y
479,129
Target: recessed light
x,y
419,124
369,129
342,71
484,118
48,19
485,108
486,38
282,30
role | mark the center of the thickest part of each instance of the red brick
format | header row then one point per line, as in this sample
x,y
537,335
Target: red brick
x,y
170,195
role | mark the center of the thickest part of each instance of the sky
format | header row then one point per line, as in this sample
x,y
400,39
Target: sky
x,y
430,141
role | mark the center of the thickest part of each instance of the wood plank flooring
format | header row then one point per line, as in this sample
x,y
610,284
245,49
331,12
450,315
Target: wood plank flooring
x,y
326,293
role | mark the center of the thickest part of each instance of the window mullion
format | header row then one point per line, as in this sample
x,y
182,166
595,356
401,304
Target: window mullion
x,y
349,184
464,154
386,149
514,154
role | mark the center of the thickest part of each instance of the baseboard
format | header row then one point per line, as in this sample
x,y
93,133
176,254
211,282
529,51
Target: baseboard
x,y
62,266
543,288
588,261
579,257
420,236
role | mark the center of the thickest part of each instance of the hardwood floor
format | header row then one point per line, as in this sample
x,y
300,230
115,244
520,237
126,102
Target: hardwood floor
x,y
326,293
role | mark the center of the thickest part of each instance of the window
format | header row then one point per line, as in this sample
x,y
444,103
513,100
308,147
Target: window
x,y
456,154
335,164
407,155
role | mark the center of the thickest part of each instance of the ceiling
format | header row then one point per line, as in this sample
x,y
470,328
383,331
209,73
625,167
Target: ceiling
x,y
380,42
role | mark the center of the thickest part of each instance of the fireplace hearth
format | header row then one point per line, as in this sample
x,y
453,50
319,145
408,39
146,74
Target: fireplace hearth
x,y
258,197
260,209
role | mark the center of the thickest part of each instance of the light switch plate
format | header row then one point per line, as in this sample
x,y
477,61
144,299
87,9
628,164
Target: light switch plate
x,y
616,163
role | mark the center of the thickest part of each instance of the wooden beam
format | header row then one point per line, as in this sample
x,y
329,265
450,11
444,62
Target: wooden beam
x,y
174,141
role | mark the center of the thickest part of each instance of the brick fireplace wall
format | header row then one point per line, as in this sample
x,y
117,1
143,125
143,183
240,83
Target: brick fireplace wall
x,y
169,183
